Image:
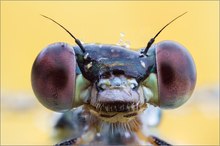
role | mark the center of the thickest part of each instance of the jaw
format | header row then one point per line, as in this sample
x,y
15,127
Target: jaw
x,y
116,121
117,105
116,117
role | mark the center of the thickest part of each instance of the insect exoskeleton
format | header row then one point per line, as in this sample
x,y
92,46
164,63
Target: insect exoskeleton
x,y
115,73
115,84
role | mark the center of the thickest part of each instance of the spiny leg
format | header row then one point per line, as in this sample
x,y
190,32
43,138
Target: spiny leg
x,y
157,142
67,142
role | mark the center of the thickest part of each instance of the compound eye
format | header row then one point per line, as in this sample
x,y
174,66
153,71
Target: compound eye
x,y
53,77
176,73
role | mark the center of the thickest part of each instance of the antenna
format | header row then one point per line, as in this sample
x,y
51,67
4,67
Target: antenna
x,y
77,41
153,39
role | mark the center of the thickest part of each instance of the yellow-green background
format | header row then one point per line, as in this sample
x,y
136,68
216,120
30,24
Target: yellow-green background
x,y
24,33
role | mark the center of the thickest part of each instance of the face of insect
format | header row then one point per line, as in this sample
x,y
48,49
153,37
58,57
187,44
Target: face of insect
x,y
114,83
118,99
116,75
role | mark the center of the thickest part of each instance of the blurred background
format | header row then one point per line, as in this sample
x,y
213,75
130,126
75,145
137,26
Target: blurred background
x,y
24,33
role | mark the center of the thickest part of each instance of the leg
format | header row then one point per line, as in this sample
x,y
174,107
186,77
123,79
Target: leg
x,y
157,142
67,142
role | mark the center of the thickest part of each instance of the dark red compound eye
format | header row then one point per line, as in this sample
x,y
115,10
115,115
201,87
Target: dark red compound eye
x,y
176,74
53,77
